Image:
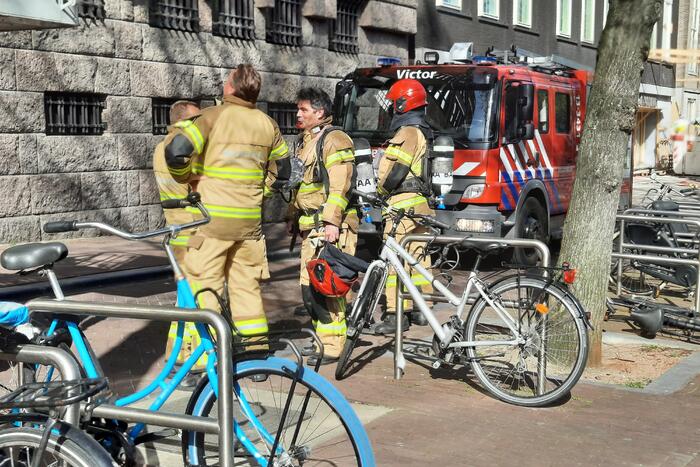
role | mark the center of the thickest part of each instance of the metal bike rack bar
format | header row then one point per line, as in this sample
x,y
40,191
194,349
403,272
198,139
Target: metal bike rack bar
x,y
654,259
169,420
541,248
49,356
161,313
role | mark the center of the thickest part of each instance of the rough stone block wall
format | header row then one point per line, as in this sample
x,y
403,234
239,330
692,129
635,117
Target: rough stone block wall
x,y
109,177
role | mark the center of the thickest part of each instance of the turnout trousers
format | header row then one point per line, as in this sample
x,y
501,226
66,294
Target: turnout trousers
x,y
330,326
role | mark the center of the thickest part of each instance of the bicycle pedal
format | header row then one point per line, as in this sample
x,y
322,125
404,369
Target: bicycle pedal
x,y
436,364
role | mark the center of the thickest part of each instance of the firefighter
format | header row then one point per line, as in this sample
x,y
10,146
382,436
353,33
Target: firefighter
x,y
237,153
322,205
171,189
401,181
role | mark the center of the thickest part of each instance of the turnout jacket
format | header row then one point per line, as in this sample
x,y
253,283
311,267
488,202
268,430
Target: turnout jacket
x,y
405,150
235,156
338,158
169,188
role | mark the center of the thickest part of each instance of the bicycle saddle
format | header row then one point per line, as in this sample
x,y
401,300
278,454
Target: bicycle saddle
x,y
32,255
483,248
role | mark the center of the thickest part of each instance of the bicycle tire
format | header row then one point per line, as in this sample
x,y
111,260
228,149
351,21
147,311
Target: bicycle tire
x,y
562,310
69,447
360,316
203,399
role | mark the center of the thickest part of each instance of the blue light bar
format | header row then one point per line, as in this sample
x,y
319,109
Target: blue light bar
x,y
388,61
483,60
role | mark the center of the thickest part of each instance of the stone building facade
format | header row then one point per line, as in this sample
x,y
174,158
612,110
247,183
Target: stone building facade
x,y
123,58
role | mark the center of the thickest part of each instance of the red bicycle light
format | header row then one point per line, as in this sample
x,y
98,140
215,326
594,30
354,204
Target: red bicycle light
x,y
569,276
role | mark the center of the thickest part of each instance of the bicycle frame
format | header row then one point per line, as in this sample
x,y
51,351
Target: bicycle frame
x,y
391,252
185,299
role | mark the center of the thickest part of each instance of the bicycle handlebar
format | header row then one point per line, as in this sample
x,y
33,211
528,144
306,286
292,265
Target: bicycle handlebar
x,y
377,201
192,199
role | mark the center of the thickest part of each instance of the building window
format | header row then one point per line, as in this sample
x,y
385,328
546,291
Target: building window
x,y
453,4
654,36
161,115
562,112
91,9
343,30
73,114
181,15
588,21
284,23
233,18
543,110
693,35
606,7
564,18
667,25
691,110
489,8
522,13
285,115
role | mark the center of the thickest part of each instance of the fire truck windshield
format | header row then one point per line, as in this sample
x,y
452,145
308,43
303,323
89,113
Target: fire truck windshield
x,y
458,105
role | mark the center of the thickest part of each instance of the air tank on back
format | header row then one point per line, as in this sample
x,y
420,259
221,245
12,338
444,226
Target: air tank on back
x,y
441,168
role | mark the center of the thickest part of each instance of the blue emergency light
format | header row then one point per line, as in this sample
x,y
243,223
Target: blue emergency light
x,y
484,60
388,61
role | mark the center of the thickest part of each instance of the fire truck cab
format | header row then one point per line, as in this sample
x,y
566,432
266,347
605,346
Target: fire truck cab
x,y
516,125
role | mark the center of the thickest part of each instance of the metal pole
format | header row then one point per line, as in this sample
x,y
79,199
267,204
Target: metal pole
x,y
160,313
621,241
398,336
182,422
54,357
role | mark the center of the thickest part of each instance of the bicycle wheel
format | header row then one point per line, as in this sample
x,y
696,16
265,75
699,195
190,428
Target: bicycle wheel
x,y
67,446
361,314
543,368
633,281
329,432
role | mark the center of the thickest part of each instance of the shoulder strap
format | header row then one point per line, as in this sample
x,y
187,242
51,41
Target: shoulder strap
x,y
319,157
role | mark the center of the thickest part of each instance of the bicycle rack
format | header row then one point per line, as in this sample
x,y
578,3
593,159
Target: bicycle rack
x,y
49,356
224,426
541,248
654,259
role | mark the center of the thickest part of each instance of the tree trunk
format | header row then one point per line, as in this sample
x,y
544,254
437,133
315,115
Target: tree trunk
x,y
590,222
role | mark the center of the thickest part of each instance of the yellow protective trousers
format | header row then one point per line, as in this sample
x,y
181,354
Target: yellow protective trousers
x,y
332,334
407,227
242,264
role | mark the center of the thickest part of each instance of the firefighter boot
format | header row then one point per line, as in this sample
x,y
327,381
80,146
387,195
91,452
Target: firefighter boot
x,y
307,306
388,324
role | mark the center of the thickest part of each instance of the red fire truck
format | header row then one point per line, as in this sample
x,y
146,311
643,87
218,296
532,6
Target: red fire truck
x,y
516,125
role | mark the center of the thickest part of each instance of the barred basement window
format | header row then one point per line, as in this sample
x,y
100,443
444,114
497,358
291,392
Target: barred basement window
x,y
284,23
285,115
91,9
234,18
73,114
161,115
343,30
181,15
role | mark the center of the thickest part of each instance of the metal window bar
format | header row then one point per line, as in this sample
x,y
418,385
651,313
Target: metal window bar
x,y
91,9
344,29
286,117
161,115
73,114
284,23
234,18
181,15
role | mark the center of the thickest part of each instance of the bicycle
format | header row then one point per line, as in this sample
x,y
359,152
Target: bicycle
x,y
518,319
32,430
315,402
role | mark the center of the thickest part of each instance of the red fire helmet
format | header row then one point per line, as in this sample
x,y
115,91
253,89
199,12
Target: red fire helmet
x,y
325,281
407,94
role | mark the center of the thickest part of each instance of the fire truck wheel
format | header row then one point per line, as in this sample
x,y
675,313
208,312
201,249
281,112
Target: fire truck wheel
x,y
531,222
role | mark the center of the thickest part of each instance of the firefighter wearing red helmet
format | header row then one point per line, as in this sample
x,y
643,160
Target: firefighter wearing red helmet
x,y
400,172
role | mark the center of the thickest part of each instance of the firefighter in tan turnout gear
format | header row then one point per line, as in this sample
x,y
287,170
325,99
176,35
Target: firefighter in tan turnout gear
x,y
169,188
321,204
236,152
400,171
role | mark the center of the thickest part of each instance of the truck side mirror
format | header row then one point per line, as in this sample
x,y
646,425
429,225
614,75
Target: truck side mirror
x,y
526,131
342,98
526,99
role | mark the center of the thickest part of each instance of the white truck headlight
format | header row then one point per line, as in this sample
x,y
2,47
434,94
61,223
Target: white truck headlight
x,y
474,191
474,225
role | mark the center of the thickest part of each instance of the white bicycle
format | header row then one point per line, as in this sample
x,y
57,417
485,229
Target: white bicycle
x,y
525,336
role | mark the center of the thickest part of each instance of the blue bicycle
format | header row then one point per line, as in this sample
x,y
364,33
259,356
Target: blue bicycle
x,y
286,414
